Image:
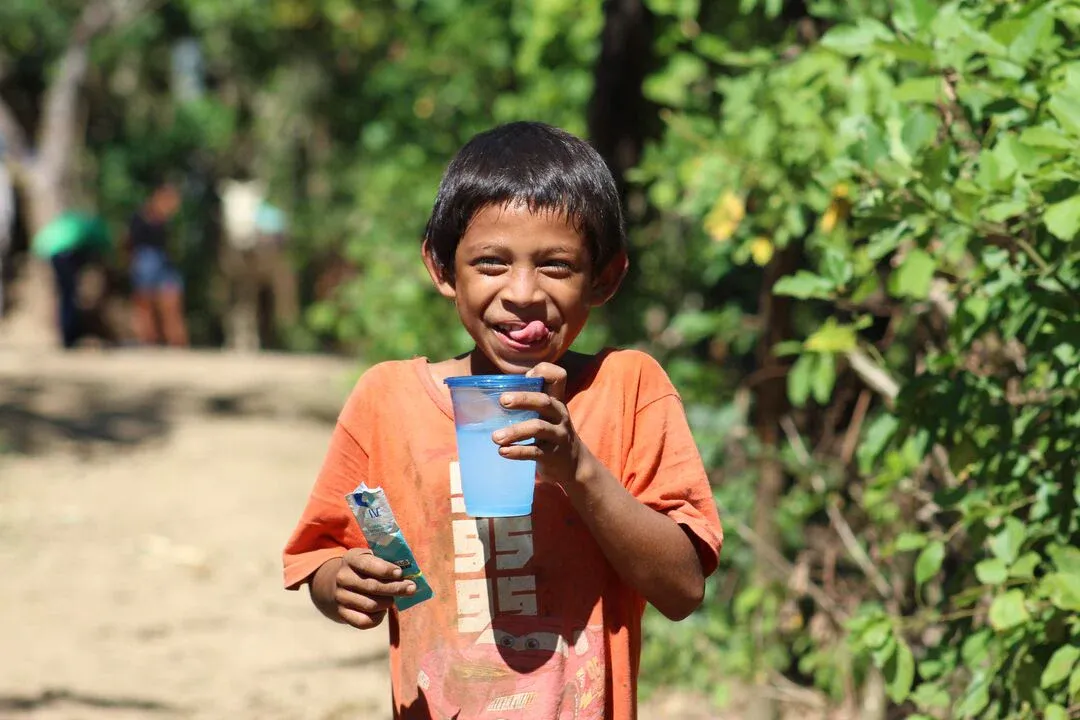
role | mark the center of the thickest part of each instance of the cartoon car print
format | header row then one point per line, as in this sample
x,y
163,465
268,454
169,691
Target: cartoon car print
x,y
524,668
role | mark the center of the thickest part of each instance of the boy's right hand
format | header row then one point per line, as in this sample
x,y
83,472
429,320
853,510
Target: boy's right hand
x,y
361,589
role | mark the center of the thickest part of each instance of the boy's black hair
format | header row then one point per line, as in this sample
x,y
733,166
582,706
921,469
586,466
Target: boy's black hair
x,y
541,166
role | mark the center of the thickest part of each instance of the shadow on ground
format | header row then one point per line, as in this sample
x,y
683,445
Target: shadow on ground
x,y
30,703
40,415
37,416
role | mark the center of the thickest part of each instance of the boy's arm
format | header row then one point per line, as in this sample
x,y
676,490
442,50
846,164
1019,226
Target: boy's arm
x,y
649,550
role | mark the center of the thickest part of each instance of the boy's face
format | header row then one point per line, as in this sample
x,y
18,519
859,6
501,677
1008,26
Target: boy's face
x,y
523,285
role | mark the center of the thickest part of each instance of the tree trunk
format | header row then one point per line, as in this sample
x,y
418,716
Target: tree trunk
x,y
618,110
45,176
769,407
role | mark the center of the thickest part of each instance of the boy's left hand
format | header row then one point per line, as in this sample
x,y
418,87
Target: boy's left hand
x,y
557,449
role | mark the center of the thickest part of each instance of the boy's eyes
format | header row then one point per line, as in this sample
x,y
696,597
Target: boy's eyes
x,y
488,264
490,261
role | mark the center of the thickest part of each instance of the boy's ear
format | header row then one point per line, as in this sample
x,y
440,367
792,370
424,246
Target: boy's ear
x,y
607,282
439,278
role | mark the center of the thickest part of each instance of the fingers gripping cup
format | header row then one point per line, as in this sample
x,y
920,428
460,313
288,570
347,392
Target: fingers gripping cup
x,y
494,486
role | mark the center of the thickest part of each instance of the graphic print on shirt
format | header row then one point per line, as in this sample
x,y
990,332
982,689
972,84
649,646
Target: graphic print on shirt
x,y
513,662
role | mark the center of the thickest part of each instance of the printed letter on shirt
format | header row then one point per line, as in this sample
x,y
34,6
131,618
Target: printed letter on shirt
x,y
476,541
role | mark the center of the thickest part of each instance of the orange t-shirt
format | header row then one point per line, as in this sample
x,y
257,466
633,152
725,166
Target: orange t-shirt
x,y
528,619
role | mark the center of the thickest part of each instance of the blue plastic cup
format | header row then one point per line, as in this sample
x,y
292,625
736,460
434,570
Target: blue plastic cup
x,y
493,486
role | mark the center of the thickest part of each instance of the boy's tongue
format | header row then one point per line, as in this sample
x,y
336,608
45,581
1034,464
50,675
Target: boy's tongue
x,y
531,333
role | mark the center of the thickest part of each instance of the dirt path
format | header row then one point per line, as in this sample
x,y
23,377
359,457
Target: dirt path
x,y
144,498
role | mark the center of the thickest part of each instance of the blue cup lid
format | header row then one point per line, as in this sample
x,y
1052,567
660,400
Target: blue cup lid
x,y
496,382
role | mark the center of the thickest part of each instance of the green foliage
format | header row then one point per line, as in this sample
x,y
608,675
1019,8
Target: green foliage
x,y
920,160
898,182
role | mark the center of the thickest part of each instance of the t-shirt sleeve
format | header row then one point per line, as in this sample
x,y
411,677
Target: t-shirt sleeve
x,y
665,472
327,527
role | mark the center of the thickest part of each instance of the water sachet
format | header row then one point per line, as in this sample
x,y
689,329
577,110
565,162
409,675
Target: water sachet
x,y
380,528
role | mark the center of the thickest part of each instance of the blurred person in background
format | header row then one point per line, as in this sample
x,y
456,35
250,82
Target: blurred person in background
x,y
71,242
157,287
259,278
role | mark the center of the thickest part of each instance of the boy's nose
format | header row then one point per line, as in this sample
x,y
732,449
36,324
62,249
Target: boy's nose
x,y
523,289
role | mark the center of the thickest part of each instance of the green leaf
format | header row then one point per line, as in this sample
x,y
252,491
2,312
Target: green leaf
x,y
930,695
908,541
1008,610
1006,544
1047,137
883,654
799,379
916,52
1034,33
900,672
1074,682
803,285
1063,590
919,90
787,347
974,648
992,572
875,635
832,338
974,700
1066,558
1063,218
1066,110
1025,565
672,85
1060,666
929,562
1055,712
999,212
836,267
912,278
856,39
911,16
824,378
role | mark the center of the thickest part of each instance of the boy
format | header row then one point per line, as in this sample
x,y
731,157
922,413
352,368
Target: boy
x,y
536,616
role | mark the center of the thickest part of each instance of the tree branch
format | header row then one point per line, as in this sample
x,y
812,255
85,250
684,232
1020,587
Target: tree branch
x,y
58,135
782,569
876,378
839,522
881,382
12,136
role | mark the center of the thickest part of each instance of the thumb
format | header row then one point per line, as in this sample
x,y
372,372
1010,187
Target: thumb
x,y
554,378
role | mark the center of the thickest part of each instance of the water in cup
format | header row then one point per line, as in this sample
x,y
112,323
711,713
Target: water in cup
x,y
493,486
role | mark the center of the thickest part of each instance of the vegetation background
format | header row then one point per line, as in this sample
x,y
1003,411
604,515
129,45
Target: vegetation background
x,y
855,249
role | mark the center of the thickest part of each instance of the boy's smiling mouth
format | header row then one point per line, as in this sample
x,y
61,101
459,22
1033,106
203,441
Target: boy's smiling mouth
x,y
523,336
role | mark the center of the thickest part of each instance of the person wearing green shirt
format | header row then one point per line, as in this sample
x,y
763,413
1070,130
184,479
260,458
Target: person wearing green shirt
x,y
70,242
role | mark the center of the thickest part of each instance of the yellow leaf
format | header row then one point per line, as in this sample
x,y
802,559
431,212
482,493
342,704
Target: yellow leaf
x,y
724,217
838,210
835,214
761,250
828,220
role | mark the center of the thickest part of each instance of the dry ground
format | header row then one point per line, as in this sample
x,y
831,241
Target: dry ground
x,y
144,499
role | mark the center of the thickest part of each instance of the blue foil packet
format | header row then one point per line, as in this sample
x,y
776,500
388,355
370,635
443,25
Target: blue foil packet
x,y
372,511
